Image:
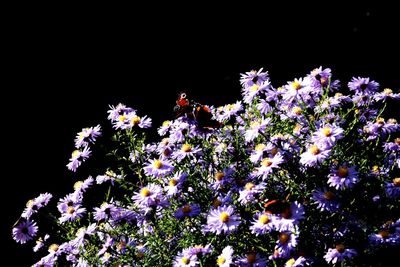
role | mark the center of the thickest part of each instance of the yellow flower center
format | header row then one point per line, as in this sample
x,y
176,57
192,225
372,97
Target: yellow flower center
x,y
75,153
397,141
219,176
122,118
185,260
396,182
380,120
78,185
70,210
29,204
186,148
266,162
221,260
249,186
328,195
284,238
81,136
157,164
340,248
145,192
296,85
297,128
384,234
224,217
173,182
392,121
186,209
327,131
387,91
135,120
337,95
254,88
121,245
54,247
375,168
251,258
140,255
314,150
290,262
165,141
264,219
343,171
166,123
254,124
230,107
297,110
259,147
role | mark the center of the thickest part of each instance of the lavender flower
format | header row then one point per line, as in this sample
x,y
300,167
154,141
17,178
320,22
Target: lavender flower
x,y
263,223
34,205
148,196
188,210
185,259
222,219
326,200
363,85
252,260
343,177
339,253
87,136
393,188
77,157
225,258
158,167
24,231
314,155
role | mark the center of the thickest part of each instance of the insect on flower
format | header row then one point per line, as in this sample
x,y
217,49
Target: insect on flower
x,y
201,113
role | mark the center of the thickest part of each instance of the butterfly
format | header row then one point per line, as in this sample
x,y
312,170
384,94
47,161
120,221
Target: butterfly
x,y
201,113
276,206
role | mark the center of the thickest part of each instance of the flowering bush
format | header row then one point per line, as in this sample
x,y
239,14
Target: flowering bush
x,y
290,176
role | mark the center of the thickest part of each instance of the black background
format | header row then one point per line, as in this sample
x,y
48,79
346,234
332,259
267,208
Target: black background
x,y
62,69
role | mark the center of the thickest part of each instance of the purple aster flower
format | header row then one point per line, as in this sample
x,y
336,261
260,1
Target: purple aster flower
x,y
200,250
363,86
225,259
47,261
285,245
222,179
263,223
385,237
175,183
120,109
268,164
339,253
343,177
229,111
135,120
26,230
264,107
290,217
35,204
299,262
320,77
148,196
185,259
158,167
326,200
393,188
254,129
249,193
71,200
253,77
188,210
40,243
386,94
72,214
258,152
222,219
327,136
249,93
87,136
77,157
186,151
82,234
314,155
108,176
252,260
164,128
105,211
298,89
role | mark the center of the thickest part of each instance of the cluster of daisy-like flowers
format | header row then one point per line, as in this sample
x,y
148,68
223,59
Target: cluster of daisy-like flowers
x,y
303,174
